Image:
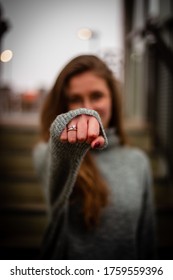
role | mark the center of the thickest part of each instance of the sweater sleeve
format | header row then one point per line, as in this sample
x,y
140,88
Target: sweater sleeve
x,y
62,160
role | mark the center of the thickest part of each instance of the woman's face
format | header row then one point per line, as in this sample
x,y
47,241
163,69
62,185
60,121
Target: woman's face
x,y
87,90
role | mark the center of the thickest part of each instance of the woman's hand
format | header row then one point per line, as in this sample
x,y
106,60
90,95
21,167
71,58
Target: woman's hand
x,y
87,130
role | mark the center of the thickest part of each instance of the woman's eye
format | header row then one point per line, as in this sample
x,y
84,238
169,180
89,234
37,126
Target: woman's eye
x,y
97,96
74,99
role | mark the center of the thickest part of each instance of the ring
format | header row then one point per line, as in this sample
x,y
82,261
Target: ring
x,y
72,128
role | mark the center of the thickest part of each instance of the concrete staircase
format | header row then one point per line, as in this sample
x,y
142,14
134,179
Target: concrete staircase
x,y
22,204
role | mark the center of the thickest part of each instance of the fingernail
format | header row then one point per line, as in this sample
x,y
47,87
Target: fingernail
x,y
97,145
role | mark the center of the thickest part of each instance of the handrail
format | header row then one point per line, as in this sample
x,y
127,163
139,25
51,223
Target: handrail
x,y
154,27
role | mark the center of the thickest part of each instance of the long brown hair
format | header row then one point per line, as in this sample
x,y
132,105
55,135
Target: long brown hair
x,y
90,186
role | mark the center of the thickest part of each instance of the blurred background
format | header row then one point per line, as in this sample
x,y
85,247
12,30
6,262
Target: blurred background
x,y
37,38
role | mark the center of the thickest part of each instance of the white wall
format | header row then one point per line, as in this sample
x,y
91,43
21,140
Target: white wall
x,y
43,36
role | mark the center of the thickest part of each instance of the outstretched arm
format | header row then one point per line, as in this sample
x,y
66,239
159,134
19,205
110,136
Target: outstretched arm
x,y
66,150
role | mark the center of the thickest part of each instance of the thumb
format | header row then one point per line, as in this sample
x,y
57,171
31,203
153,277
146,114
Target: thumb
x,y
98,142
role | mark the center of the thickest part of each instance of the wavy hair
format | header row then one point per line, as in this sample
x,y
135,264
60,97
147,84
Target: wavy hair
x,y
89,186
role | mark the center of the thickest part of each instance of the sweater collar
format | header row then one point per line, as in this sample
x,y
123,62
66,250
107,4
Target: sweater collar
x,y
113,139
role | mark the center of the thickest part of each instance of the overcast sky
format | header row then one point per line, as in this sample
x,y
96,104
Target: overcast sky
x,y
43,36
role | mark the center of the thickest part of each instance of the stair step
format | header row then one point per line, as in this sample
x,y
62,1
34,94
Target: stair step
x,y
21,192
23,208
17,164
13,138
163,196
22,230
165,230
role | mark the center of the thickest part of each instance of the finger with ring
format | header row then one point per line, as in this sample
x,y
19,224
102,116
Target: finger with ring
x,y
72,128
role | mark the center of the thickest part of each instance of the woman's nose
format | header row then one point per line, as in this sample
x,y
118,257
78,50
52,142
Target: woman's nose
x,y
87,104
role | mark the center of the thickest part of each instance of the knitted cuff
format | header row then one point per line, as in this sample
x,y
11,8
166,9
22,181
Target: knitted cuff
x,y
62,120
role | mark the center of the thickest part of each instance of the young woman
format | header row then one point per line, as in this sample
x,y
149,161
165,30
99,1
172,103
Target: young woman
x,y
97,187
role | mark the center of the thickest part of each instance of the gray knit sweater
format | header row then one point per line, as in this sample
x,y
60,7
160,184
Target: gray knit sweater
x,y
126,228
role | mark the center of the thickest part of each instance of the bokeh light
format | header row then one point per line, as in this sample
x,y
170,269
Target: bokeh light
x,y
84,33
6,56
